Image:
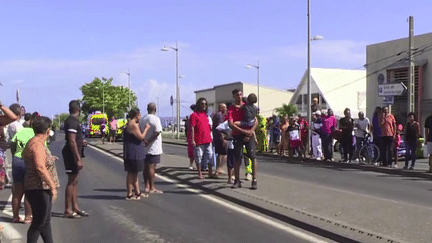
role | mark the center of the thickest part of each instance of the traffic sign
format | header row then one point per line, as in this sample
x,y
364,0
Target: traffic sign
x,y
172,100
391,89
388,100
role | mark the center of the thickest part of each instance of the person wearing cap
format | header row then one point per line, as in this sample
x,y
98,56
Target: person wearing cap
x,y
346,124
316,136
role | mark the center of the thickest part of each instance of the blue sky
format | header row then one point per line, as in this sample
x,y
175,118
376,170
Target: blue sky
x,y
48,49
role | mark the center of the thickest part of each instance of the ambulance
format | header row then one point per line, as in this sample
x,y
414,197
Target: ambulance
x,y
96,121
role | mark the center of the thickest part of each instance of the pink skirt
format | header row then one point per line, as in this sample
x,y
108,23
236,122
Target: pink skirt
x,y
295,143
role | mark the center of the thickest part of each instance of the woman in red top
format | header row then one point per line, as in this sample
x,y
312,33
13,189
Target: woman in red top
x,y
201,139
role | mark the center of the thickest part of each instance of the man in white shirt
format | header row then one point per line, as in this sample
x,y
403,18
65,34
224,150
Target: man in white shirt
x,y
362,126
153,147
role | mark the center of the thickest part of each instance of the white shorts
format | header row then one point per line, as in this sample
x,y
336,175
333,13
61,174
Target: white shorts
x,y
429,147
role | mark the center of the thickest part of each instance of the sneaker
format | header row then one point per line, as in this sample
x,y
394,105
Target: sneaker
x,y
248,177
411,168
405,168
254,185
376,164
190,168
395,166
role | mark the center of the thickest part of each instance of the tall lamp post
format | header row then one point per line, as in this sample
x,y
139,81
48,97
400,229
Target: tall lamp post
x,y
309,40
129,74
166,48
258,76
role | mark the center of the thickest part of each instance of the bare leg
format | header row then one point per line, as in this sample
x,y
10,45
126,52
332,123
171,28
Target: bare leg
x,y
129,183
237,164
17,194
152,172
199,170
69,193
135,183
430,162
75,197
146,177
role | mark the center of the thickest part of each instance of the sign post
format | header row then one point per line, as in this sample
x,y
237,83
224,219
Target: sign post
x,y
391,89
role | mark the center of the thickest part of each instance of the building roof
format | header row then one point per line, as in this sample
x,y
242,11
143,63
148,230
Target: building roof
x,y
341,88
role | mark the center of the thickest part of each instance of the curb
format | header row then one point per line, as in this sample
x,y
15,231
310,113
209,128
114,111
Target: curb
x,y
385,170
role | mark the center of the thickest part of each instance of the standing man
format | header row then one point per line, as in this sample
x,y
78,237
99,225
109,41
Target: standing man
x,y
153,147
304,133
388,135
200,135
218,140
428,140
362,128
72,157
329,124
346,124
242,137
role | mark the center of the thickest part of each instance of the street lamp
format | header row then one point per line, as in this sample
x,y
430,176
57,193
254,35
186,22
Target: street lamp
x,y
128,73
309,40
167,48
249,66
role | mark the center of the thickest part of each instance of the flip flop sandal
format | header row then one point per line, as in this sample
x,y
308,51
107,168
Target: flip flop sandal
x,y
72,216
16,221
156,191
28,220
82,213
140,195
131,197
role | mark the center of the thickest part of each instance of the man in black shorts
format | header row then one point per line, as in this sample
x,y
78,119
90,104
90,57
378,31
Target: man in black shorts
x,y
242,137
72,157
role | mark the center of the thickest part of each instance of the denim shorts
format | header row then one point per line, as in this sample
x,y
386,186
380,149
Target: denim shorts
x,y
18,170
204,155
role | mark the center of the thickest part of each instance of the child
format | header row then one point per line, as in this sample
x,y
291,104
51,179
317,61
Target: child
x,y
249,112
294,137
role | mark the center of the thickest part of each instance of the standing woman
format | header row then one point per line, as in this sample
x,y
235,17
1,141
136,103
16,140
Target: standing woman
x,y
133,153
5,119
412,133
388,135
41,181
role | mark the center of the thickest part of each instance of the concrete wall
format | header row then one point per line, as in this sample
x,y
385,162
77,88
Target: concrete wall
x,y
374,55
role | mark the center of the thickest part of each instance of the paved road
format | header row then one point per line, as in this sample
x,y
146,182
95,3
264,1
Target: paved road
x,y
179,215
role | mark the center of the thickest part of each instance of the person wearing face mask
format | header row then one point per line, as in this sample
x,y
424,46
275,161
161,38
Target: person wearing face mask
x,y
388,135
346,124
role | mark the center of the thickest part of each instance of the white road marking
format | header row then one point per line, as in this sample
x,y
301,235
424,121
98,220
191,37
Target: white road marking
x,y
9,232
238,209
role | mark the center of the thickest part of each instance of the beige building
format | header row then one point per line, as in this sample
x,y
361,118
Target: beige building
x,y
335,88
387,63
269,98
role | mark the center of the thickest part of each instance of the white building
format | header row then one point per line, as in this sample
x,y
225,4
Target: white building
x,y
269,98
335,88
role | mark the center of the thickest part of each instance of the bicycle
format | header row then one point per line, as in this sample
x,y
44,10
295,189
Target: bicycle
x,y
369,152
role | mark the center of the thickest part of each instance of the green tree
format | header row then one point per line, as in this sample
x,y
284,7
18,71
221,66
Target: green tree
x,y
99,90
59,119
286,110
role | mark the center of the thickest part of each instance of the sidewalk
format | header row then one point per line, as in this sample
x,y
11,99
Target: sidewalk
x,y
422,165
351,218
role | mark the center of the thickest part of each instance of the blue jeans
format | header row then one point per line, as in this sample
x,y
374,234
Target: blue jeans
x,y
410,153
204,155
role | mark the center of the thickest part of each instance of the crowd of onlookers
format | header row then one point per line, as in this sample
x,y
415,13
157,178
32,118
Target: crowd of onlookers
x,y
293,136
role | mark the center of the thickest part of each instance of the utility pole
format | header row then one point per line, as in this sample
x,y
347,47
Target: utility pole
x,y
309,96
411,71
